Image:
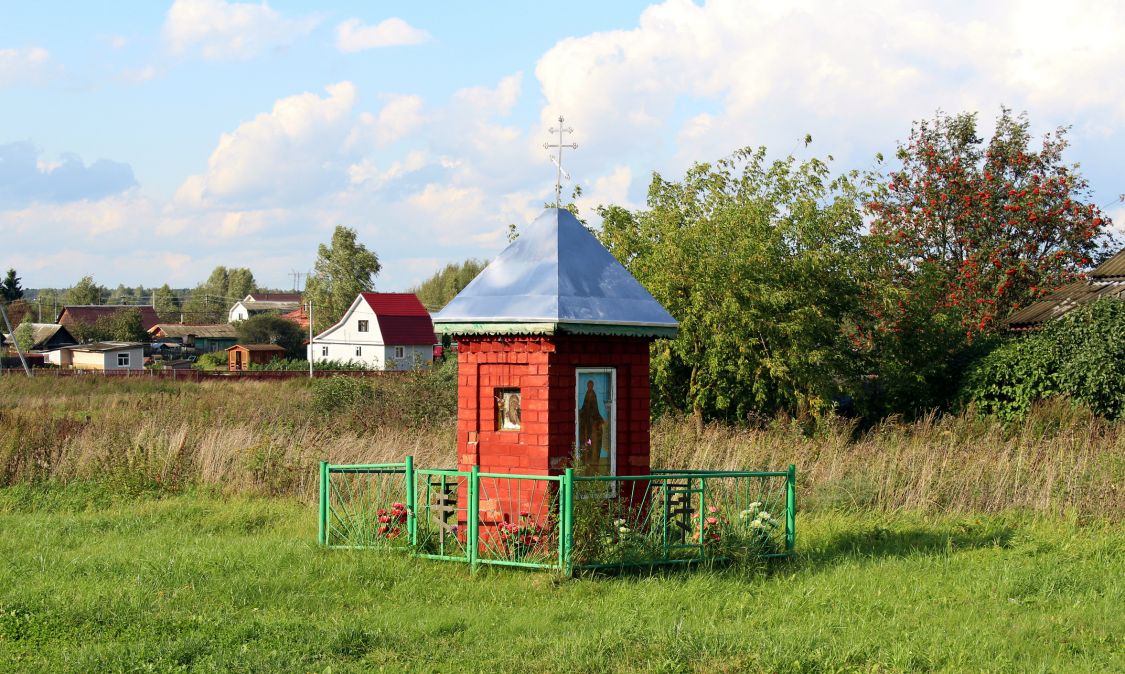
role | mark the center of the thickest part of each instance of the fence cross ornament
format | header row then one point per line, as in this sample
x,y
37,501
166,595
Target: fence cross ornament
x,y
560,173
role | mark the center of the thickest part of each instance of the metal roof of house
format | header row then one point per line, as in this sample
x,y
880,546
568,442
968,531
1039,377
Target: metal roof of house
x,y
556,277
403,321
212,331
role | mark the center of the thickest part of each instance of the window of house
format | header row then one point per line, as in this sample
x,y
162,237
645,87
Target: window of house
x,y
363,326
400,351
507,409
358,351
122,360
324,352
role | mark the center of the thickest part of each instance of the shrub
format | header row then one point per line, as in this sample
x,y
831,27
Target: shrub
x,y
1081,355
216,360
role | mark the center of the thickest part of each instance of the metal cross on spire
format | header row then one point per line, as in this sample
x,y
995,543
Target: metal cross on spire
x,y
560,173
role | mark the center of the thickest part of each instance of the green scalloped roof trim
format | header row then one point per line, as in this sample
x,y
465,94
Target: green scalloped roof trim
x,y
528,329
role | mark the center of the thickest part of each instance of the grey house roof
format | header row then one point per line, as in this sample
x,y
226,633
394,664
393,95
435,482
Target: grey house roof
x,y
555,278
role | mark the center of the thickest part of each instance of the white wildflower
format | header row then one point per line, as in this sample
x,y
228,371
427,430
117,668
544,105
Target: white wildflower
x,y
623,530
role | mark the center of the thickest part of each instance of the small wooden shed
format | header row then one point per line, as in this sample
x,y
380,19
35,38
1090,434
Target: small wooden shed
x,y
242,356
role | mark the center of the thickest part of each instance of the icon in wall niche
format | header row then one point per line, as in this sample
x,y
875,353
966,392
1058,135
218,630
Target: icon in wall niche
x,y
508,409
594,444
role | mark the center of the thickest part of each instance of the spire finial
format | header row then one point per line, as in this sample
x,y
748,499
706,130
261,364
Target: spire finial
x,y
560,173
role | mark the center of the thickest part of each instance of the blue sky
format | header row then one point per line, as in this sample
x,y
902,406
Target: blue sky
x,y
147,142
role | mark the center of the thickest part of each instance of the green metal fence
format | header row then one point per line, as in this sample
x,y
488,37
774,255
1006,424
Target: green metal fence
x,y
564,522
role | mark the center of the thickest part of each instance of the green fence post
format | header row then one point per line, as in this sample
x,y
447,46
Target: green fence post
x,y
790,509
322,513
566,542
702,516
474,516
411,499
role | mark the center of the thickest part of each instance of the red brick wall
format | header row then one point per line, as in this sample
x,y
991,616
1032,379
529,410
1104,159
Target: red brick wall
x,y
543,368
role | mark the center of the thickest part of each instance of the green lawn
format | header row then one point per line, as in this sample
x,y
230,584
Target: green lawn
x,y
199,583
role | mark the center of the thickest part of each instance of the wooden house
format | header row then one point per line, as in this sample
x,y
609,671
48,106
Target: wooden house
x,y
45,337
89,314
242,356
196,338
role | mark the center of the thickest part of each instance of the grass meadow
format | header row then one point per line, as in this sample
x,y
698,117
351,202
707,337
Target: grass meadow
x,y
169,527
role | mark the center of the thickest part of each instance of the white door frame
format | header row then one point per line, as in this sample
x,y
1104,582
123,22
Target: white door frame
x,y
610,406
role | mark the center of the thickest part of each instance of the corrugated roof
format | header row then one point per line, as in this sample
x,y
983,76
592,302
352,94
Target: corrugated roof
x,y
403,321
1114,267
214,330
90,313
275,297
556,275
270,305
41,333
1064,300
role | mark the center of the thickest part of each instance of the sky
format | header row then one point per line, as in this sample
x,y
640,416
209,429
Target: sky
x,y
148,142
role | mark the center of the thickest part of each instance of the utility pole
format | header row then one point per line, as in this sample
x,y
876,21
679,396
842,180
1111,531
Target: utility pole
x,y
310,340
15,343
560,173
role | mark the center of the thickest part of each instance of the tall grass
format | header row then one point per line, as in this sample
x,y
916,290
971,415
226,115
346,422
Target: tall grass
x,y
266,437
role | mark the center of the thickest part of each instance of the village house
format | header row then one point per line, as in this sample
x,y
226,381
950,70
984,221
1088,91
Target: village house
x,y
1107,280
380,331
45,337
88,314
263,303
196,338
107,356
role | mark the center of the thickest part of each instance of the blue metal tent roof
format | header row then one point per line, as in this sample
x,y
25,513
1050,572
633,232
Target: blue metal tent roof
x,y
556,277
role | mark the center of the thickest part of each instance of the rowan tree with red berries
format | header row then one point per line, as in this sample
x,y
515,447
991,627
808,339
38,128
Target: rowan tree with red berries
x,y
964,233
997,226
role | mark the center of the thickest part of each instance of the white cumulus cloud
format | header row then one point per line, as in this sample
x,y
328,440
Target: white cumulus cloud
x,y
23,65
352,35
220,30
289,153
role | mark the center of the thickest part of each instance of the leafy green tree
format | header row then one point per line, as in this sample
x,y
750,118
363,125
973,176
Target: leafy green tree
x,y
24,335
211,301
10,289
85,292
122,295
240,283
125,325
166,304
343,270
270,329
756,260
436,291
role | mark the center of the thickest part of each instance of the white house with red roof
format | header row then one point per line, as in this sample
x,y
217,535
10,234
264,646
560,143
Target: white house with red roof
x,y
383,331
